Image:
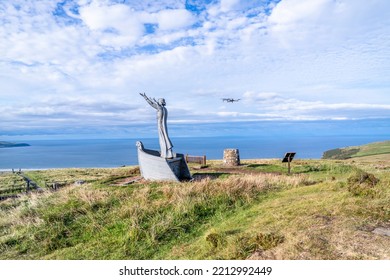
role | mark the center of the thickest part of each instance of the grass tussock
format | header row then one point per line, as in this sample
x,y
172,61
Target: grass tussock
x,y
362,183
248,244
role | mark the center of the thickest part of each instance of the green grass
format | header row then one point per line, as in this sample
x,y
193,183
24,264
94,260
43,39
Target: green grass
x,y
71,175
374,149
11,184
371,149
254,211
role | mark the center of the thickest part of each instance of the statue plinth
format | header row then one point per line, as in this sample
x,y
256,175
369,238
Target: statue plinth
x,y
155,167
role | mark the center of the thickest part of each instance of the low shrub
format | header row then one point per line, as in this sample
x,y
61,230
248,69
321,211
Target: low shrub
x,y
362,184
215,239
247,244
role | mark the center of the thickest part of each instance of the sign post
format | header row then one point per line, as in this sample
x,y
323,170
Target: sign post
x,y
288,158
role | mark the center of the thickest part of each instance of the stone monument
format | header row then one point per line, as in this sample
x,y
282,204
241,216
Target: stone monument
x,y
163,164
231,157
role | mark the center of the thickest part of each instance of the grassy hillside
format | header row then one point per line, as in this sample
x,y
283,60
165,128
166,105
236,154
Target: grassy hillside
x,y
323,210
11,184
371,149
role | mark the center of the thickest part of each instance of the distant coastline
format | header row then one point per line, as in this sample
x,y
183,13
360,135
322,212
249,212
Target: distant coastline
x,y
104,153
370,149
4,144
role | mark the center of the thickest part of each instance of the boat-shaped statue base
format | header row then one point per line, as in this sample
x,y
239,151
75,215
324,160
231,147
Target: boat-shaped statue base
x,y
154,167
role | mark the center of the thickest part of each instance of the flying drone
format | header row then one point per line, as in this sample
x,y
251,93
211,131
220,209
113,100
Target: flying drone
x,y
231,100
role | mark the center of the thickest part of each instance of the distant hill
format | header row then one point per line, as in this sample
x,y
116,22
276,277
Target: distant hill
x,y
4,144
377,148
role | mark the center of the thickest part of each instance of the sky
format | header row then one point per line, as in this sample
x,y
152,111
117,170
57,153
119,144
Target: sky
x,y
76,68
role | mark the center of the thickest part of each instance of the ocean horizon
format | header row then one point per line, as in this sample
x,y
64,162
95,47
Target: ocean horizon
x,y
99,153
309,139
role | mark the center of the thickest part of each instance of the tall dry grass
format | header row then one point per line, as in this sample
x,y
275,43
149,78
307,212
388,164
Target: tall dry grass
x,y
133,220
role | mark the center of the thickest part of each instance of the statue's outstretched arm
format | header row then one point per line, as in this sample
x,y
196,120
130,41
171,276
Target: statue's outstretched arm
x,y
152,103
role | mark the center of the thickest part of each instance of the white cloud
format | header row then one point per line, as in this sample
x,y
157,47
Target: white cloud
x,y
313,24
310,59
174,19
227,5
250,97
295,21
290,108
118,25
290,12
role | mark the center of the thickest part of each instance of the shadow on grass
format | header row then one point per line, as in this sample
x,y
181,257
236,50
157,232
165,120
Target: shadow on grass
x,y
211,175
232,232
263,167
255,165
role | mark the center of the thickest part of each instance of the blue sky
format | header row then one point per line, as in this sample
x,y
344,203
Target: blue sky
x,y
76,67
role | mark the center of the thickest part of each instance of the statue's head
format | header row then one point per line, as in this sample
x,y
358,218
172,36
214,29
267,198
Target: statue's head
x,y
161,101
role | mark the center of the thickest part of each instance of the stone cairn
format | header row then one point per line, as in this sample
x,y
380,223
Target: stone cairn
x,y
231,157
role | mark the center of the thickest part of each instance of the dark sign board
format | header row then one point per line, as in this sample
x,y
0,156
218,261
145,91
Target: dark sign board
x,y
288,157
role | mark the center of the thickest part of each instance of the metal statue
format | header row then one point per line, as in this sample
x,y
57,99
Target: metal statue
x,y
162,115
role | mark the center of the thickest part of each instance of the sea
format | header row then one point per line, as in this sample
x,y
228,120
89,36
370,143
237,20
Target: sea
x,y
309,142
